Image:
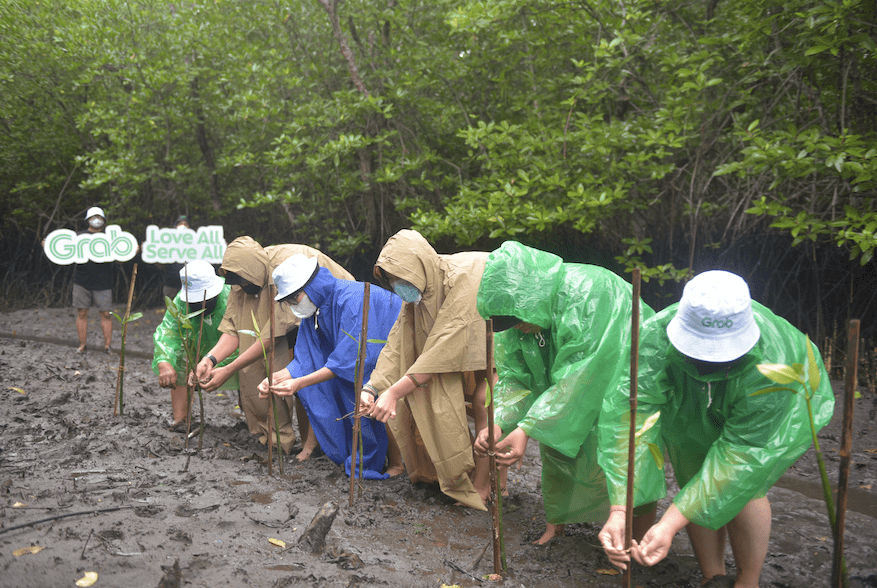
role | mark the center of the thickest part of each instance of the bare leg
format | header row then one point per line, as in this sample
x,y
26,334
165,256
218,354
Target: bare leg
x,y
749,533
551,531
179,403
82,326
709,549
309,445
394,456
481,473
106,325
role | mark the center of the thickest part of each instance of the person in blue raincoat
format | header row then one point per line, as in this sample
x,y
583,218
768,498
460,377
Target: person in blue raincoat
x,y
323,368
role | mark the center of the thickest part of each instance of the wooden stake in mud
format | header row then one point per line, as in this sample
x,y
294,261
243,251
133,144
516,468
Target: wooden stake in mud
x,y
357,386
838,573
119,404
272,413
197,384
495,493
631,440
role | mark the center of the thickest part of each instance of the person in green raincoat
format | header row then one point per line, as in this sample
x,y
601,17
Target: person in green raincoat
x,y
565,341
729,432
200,285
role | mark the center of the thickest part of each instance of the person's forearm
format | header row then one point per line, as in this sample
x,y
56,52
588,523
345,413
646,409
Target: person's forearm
x,y
406,385
323,374
224,347
674,519
251,354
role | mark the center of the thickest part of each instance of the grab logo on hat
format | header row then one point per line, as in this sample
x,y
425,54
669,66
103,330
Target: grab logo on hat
x,y
720,323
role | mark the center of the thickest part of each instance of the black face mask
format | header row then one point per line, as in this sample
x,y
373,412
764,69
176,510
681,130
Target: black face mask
x,y
210,305
251,289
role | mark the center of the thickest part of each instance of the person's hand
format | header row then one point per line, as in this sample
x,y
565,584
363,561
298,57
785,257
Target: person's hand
x,y
511,449
167,375
366,401
482,445
285,388
203,371
654,546
612,538
280,376
217,378
384,408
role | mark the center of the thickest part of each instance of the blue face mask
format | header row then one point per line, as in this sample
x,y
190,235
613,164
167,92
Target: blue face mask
x,y
406,291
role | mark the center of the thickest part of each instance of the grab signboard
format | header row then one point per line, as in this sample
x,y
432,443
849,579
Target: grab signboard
x,y
168,245
63,246
183,244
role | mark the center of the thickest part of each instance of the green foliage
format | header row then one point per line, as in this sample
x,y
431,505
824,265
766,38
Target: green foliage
x,y
666,132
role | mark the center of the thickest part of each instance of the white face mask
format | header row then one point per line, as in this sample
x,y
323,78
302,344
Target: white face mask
x,y
96,222
304,308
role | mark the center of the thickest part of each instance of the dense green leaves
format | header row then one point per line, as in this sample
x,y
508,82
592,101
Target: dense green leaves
x,y
665,132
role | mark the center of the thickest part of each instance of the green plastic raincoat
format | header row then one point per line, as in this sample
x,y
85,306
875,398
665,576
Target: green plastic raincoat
x,y
551,384
727,445
168,345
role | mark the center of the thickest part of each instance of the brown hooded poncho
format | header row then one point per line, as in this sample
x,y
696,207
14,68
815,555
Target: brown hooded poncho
x,y
245,257
442,335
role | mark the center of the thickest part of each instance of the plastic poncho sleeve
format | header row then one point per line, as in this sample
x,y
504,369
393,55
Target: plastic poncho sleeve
x,y
589,338
614,427
167,345
514,389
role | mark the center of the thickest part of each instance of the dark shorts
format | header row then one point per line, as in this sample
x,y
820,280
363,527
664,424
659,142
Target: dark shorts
x,y
84,298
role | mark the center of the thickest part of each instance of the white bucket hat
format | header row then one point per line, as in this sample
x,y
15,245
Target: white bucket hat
x,y
293,274
200,282
95,211
714,320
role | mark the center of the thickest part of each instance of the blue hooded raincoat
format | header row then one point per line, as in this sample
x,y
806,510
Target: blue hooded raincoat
x,y
329,338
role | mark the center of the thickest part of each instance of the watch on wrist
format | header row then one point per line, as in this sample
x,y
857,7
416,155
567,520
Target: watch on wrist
x,y
212,359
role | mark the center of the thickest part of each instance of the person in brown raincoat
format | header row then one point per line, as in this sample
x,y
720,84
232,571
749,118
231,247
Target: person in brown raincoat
x,y
421,375
248,266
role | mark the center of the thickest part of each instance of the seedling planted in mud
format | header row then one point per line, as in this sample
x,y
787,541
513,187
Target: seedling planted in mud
x,y
256,332
809,379
124,320
191,348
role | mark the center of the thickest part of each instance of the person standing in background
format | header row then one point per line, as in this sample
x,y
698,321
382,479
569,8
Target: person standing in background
x,y
93,286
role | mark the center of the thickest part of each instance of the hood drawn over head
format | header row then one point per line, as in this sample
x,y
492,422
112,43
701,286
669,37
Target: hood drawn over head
x,y
520,281
245,257
407,255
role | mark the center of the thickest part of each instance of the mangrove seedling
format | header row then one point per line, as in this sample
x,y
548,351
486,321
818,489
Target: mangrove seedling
x,y
809,378
124,320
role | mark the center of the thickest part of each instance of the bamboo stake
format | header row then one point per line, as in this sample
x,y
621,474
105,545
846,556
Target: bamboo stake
x,y
184,340
495,493
197,385
838,571
631,446
357,386
120,400
272,411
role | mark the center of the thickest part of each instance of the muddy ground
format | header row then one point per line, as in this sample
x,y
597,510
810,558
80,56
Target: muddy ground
x,y
205,519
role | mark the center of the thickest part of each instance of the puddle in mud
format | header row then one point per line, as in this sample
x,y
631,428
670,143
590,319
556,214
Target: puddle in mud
x,y
857,499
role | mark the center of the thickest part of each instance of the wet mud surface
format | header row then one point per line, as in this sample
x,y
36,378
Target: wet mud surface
x,y
187,518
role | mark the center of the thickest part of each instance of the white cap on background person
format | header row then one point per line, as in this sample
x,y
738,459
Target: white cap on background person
x,y
714,321
95,211
199,282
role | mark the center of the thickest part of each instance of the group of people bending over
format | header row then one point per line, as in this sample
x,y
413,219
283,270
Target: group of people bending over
x,y
562,350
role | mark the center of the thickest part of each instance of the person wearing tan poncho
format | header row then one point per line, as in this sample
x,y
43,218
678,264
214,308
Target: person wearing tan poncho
x,y
248,267
421,372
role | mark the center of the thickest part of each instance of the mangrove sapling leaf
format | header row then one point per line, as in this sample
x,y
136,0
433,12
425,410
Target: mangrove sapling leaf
x,y
657,455
509,398
782,373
